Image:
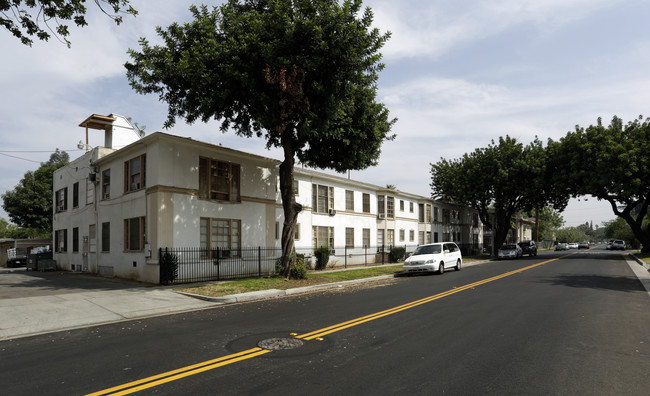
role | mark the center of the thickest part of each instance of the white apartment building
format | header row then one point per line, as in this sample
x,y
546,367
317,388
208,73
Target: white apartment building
x,y
114,208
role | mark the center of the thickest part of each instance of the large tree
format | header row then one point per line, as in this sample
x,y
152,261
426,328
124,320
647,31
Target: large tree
x,y
499,181
43,18
301,73
29,204
611,163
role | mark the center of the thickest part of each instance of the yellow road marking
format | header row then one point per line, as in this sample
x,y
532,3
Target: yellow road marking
x,y
187,371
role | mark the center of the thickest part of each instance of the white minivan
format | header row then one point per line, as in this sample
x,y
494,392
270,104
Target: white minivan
x,y
434,257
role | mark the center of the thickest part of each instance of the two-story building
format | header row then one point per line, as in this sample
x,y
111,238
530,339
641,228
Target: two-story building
x,y
114,208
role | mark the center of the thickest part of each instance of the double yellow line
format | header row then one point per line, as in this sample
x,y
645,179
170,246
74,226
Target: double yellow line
x,y
177,374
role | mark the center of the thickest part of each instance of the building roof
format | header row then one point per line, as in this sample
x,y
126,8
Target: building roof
x,y
97,121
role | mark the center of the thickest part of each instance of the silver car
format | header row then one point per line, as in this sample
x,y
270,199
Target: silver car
x,y
512,251
434,257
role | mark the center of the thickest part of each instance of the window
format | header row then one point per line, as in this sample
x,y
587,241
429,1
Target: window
x,y
75,195
323,236
133,234
349,237
61,200
106,184
427,213
296,232
411,236
92,238
420,237
366,237
296,190
402,235
219,180
277,230
75,240
106,237
401,205
411,207
428,237
349,200
366,203
221,234
445,216
421,213
435,214
381,206
90,191
390,207
322,198
134,174
380,238
475,220
435,237
61,241
390,238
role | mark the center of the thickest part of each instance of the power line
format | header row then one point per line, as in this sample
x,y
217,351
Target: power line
x,y
13,156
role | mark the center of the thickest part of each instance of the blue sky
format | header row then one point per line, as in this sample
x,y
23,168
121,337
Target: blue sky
x,y
458,74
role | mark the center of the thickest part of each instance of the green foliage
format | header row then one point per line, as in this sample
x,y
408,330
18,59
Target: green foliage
x,y
168,268
611,163
298,268
499,181
301,73
13,232
570,234
397,254
24,25
29,204
619,229
322,257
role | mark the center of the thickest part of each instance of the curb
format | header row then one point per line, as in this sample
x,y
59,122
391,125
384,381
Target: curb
x,y
272,293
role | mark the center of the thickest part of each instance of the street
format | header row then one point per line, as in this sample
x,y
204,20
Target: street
x,y
574,323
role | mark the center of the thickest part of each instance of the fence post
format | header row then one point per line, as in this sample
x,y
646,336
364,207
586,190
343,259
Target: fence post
x,y
345,251
365,255
382,254
259,261
218,264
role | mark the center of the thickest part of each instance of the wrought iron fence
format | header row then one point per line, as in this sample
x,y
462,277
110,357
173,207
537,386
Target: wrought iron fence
x,y
187,265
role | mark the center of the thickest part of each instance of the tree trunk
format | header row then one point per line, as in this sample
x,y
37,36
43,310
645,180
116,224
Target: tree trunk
x,y
635,224
289,205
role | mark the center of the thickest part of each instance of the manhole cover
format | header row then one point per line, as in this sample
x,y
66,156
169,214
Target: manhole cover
x,y
278,344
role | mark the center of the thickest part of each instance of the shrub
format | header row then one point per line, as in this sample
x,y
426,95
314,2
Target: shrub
x,y
322,257
397,254
168,268
298,269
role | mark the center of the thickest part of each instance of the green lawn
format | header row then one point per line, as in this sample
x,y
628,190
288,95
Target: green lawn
x,y
219,289
643,256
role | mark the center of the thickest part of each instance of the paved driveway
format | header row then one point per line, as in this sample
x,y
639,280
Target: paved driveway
x,y
19,283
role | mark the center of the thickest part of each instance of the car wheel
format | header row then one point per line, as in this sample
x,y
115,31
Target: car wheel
x,y
441,268
458,265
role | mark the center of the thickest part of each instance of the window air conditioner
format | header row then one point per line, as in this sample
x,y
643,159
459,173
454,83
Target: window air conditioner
x,y
107,195
331,212
135,186
382,215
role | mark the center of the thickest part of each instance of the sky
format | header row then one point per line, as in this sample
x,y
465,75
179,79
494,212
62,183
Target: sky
x,y
457,76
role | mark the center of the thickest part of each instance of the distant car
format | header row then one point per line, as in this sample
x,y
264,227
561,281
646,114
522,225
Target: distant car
x,y
583,245
562,246
528,247
573,245
511,251
618,245
434,257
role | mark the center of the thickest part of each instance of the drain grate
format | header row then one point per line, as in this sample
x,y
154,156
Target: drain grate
x,y
278,344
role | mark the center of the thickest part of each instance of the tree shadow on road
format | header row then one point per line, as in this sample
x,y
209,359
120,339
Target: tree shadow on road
x,y
617,283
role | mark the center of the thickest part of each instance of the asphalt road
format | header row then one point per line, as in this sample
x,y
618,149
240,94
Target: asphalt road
x,y
573,325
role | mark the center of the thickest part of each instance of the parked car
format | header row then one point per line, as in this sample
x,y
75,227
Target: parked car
x,y
434,257
618,245
512,251
528,247
562,246
573,245
583,245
